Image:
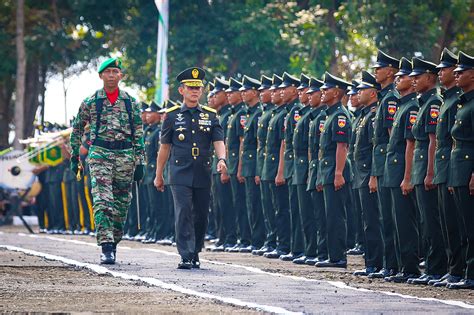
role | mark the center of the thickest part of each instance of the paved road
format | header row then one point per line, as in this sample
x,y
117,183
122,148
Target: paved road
x,y
233,284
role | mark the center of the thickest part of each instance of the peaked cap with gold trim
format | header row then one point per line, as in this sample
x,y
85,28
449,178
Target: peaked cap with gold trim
x,y
192,77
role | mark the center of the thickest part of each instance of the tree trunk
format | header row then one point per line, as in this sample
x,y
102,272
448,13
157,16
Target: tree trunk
x,y
20,73
445,38
32,85
5,113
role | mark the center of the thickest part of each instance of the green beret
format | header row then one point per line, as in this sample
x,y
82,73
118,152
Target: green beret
x,y
111,63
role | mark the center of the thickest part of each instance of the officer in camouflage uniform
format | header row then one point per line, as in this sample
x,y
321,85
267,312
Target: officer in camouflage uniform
x,y
115,156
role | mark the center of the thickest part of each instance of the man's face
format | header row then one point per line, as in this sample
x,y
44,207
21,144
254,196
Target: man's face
x,y
265,96
315,98
111,78
465,79
153,117
328,95
220,98
190,93
404,82
354,99
446,76
276,96
144,116
382,74
365,96
288,93
303,96
234,98
249,95
422,82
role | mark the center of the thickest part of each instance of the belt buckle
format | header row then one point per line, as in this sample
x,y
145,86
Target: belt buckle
x,y
195,152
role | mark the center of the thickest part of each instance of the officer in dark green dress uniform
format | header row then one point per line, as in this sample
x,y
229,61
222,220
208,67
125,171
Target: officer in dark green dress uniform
x,y
271,165
227,217
462,166
424,130
289,95
55,209
334,169
265,194
71,200
300,176
234,137
363,148
187,135
85,198
385,69
359,232
248,160
397,176
318,118
450,218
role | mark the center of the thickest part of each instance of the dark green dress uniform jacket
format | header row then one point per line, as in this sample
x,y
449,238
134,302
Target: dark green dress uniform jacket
x,y
275,135
262,135
191,132
337,129
249,146
235,130
363,146
152,145
300,146
291,119
444,141
350,154
315,129
384,118
462,155
224,114
401,131
426,120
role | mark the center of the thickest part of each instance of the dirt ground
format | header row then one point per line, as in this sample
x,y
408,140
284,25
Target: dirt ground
x,y
33,285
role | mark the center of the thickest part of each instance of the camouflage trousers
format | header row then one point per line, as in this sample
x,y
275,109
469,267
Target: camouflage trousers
x,y
111,174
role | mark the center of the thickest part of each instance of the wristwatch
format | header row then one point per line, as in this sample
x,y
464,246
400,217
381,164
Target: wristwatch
x,y
222,159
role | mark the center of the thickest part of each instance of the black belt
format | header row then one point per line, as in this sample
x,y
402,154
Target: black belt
x,y
113,145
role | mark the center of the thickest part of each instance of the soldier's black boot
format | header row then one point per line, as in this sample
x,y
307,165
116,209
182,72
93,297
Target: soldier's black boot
x,y
195,261
107,257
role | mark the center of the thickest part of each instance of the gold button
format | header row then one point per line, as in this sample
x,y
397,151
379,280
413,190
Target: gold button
x,y
233,154
273,158
193,120
194,144
176,161
467,156
193,131
194,157
314,165
291,156
301,161
250,155
442,157
365,165
395,161
381,150
264,154
325,162
421,156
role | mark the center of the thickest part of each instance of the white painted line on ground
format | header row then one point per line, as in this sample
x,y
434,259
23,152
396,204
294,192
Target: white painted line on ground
x,y
155,282
337,284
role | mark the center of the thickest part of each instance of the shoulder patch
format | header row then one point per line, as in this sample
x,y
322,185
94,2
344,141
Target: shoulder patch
x,y
171,109
212,110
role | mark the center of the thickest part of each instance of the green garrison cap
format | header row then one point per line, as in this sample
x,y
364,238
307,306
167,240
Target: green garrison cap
x,y
368,82
111,63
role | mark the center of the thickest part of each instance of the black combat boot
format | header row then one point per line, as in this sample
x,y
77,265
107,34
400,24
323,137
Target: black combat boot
x,y
107,257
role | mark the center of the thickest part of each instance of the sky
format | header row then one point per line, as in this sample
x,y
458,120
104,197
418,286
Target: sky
x,y
79,87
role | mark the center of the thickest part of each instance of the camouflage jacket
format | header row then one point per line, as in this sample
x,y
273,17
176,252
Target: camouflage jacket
x,y
114,124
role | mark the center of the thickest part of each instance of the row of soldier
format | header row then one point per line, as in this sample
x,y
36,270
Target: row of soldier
x,y
310,181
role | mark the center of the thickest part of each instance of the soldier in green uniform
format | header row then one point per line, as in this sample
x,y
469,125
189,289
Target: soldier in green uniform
x,y
248,160
462,166
55,209
363,147
450,218
273,154
318,118
359,237
385,69
289,94
397,174
234,137
115,156
334,169
85,198
265,194
227,216
424,130
300,176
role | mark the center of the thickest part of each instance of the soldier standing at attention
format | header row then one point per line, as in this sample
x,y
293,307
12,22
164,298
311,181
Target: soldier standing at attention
x,y
385,69
300,175
462,168
115,157
363,148
424,130
234,137
397,176
289,94
450,218
248,161
318,116
267,205
187,134
334,169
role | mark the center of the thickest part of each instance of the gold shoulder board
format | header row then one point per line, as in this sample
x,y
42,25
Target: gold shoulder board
x,y
209,109
169,110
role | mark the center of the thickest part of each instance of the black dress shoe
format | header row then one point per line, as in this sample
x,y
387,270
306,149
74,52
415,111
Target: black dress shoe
x,y
256,252
356,251
425,279
291,256
463,284
401,277
276,253
264,249
195,262
301,260
311,261
383,273
185,264
332,264
431,282
234,249
247,249
107,257
446,281
365,272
